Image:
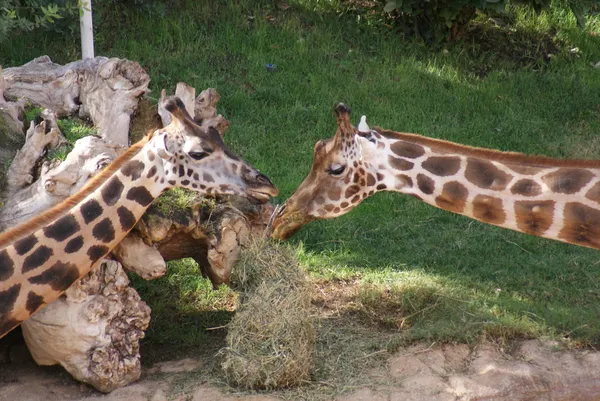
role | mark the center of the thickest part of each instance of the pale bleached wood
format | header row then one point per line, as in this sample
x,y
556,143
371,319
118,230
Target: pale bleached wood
x,y
102,89
94,330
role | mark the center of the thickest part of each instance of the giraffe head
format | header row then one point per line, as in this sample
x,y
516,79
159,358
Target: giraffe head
x,y
198,159
345,171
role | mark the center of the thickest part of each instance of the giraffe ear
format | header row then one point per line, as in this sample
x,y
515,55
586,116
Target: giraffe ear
x,y
159,142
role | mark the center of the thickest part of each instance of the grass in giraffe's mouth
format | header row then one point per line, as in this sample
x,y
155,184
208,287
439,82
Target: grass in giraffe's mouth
x,y
410,272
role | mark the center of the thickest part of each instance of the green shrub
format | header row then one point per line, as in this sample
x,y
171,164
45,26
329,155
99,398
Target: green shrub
x,y
438,20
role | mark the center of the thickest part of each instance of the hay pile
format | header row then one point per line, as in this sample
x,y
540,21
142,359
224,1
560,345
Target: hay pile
x,y
271,339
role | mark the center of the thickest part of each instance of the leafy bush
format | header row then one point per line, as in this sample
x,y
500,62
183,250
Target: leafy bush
x,y
436,20
26,15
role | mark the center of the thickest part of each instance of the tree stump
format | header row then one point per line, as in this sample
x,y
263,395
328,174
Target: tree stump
x,y
93,331
102,89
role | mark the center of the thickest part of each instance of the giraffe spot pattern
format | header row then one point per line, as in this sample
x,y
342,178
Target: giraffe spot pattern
x,y
581,225
400,164
594,193
526,187
95,252
7,300
151,172
34,302
567,180
59,276
62,228
140,195
104,230
407,149
425,184
485,175
405,180
442,166
489,209
453,197
112,190
7,324
74,245
351,191
150,155
370,180
37,258
90,210
133,169
7,266
25,245
181,169
534,217
207,177
185,182
334,193
524,170
381,187
126,218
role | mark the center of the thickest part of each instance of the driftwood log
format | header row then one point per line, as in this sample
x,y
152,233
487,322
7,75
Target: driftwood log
x,y
101,89
93,331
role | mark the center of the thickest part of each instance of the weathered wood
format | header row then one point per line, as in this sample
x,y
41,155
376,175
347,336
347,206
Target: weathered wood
x,y
94,330
102,89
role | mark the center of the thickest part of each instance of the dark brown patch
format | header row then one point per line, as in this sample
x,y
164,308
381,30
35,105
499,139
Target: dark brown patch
x,y
151,172
150,155
356,199
37,258
25,245
133,169
407,149
74,245
442,166
126,218
181,170
525,170
185,182
380,177
567,180
400,164
425,184
62,228
7,266
370,180
488,209
196,177
207,177
453,197
344,205
34,302
406,180
534,217
7,300
319,200
140,195
351,191
112,190
334,193
90,210
59,277
104,231
526,187
381,187
485,175
581,225
329,207
594,193
96,252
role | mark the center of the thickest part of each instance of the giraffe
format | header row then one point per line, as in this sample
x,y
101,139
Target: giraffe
x,y
41,258
556,199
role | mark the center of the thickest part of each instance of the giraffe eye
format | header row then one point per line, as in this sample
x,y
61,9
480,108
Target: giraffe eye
x,y
336,170
198,155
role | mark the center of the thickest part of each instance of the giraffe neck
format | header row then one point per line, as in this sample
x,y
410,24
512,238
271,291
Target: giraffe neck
x,y
556,199
42,262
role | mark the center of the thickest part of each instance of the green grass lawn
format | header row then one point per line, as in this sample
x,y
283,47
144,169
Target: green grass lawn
x,y
420,273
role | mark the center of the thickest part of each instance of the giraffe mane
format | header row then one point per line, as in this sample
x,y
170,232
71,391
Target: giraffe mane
x,y
489,154
30,226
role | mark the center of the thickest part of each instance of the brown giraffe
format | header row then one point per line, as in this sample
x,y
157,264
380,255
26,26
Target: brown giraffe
x,y
41,258
557,199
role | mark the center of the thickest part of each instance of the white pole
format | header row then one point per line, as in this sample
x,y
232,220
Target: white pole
x,y
87,31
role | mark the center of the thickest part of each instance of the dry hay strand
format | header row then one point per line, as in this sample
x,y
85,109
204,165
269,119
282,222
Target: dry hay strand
x,y
271,339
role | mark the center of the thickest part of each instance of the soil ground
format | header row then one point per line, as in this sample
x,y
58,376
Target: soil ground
x,y
530,370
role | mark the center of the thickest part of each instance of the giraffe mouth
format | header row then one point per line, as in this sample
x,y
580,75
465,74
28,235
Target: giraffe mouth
x,y
259,196
285,222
